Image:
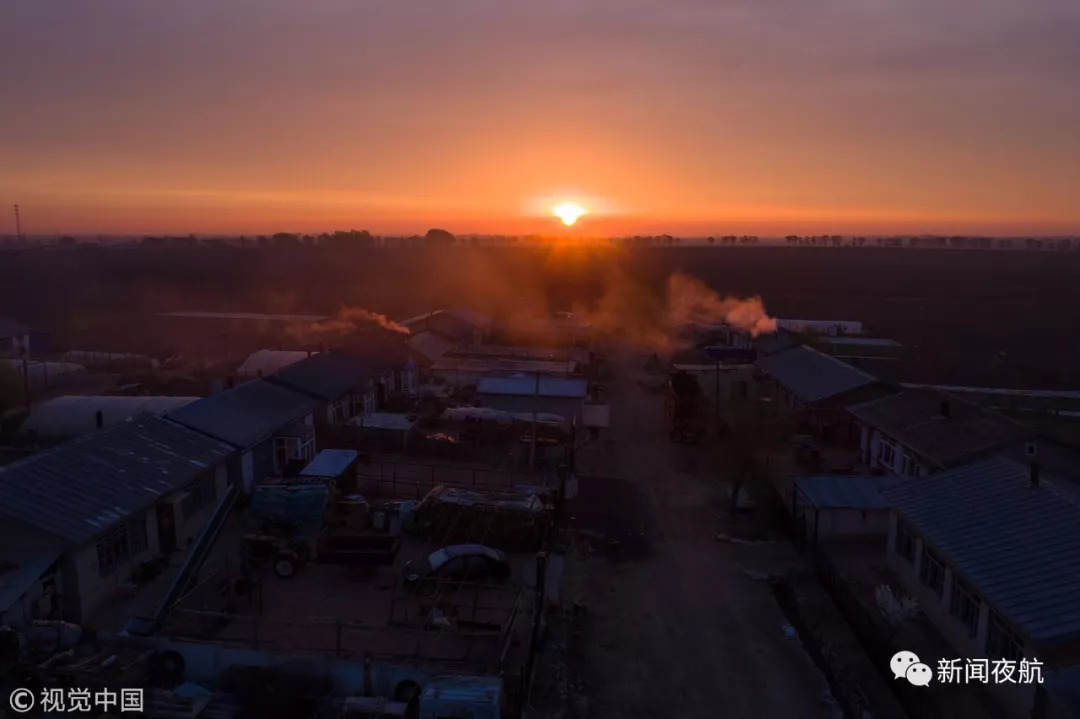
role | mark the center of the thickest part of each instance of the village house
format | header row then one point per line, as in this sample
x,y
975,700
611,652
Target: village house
x,y
271,426
990,551
920,431
79,520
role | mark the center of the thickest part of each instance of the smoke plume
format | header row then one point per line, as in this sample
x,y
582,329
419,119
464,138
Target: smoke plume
x,y
346,321
690,301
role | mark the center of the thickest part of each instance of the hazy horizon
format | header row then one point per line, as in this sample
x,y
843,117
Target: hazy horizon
x,y
686,118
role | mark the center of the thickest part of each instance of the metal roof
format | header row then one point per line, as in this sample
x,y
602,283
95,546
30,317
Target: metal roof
x,y
1017,544
266,362
89,484
246,414
861,341
326,376
915,419
430,344
75,415
1046,393
25,554
522,385
330,463
812,376
474,318
844,491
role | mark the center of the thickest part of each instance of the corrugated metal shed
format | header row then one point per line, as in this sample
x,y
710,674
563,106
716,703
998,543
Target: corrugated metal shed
x,y
812,376
844,491
915,419
1020,546
522,385
246,414
430,344
89,484
266,362
330,463
76,415
326,376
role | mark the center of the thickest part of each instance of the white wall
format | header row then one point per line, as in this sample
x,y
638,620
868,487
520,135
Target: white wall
x,y
846,522
1017,698
870,443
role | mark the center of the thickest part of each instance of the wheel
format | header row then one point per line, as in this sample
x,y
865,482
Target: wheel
x,y
285,567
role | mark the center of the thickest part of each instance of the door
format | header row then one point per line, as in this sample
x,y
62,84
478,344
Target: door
x,y
247,470
166,527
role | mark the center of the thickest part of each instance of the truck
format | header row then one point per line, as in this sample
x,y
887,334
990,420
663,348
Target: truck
x,y
683,408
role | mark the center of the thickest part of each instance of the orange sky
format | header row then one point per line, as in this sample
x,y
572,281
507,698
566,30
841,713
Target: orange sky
x,y
688,117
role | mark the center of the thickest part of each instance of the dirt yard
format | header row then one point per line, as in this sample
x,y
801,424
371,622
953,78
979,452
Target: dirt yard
x,y
672,622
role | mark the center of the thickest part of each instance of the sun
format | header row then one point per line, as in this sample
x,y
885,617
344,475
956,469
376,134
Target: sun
x,y
569,212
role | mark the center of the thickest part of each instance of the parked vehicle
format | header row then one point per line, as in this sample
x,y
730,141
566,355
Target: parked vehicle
x,y
457,562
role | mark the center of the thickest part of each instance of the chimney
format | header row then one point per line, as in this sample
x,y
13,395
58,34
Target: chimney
x,y
945,408
1034,475
99,419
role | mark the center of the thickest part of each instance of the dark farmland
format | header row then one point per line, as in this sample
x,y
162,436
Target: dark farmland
x,y
967,317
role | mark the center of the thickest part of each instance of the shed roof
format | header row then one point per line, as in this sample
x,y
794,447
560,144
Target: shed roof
x,y
75,415
246,414
915,419
521,385
813,376
327,376
330,463
861,341
1019,545
89,484
844,491
474,318
266,362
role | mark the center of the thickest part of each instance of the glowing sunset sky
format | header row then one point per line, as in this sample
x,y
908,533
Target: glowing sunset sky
x,y
682,116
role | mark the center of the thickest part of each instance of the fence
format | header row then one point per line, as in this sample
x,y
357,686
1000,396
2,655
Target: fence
x,y
398,480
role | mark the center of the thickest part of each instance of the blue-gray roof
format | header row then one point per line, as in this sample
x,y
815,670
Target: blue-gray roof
x,y
327,376
330,463
812,376
89,484
25,554
1020,546
845,491
246,414
521,385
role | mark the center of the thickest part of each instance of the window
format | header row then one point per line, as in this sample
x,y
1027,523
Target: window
x,y
932,571
120,544
1001,641
201,494
356,405
964,604
292,449
339,412
908,466
886,451
905,543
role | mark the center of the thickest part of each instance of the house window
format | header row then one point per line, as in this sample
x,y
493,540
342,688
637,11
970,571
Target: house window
x,y
932,571
1001,641
905,542
964,604
340,411
201,494
908,466
120,544
886,451
292,449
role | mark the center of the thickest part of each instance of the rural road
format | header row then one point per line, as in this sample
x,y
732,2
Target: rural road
x,y
674,626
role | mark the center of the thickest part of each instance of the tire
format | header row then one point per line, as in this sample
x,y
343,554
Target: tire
x,y
286,567
168,668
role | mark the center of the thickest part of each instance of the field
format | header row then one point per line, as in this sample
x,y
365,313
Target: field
x,y
965,317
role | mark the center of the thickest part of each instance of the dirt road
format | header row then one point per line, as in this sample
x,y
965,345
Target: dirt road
x,y
675,622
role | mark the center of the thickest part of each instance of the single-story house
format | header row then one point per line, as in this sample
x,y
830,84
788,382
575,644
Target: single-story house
x,y
523,394
920,431
344,386
462,326
29,576
271,426
70,416
395,363
830,328
842,506
145,487
990,550
468,371
817,387
431,345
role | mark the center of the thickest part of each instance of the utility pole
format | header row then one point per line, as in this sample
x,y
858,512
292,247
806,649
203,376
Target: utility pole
x,y
18,226
536,411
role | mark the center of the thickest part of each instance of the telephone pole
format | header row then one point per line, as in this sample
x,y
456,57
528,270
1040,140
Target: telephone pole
x,y
18,226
